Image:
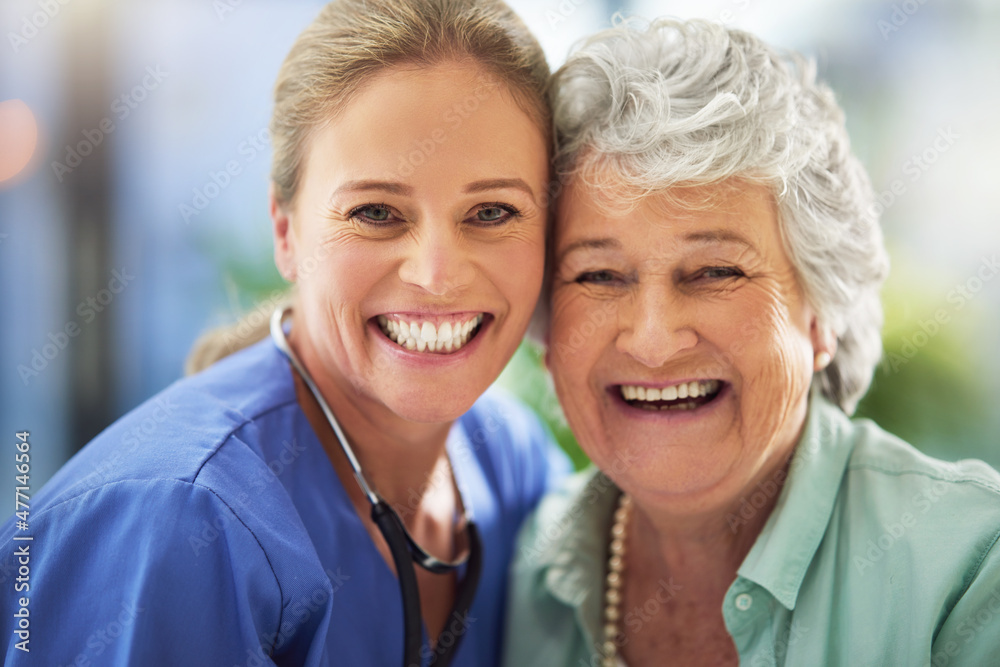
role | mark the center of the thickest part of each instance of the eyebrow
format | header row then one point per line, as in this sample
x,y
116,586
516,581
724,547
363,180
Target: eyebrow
x,y
719,236
500,184
588,244
362,185
395,188
704,237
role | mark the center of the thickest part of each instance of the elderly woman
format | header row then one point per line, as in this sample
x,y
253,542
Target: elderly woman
x,y
714,320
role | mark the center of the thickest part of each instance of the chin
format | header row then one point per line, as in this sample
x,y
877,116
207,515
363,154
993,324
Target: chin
x,y
430,409
683,475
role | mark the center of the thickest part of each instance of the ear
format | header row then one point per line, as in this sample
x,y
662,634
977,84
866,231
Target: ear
x,y
284,236
824,344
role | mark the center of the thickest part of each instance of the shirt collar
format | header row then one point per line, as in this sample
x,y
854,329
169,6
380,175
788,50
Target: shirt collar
x,y
782,553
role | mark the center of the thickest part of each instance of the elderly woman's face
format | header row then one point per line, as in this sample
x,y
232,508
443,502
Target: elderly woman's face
x,y
417,240
681,344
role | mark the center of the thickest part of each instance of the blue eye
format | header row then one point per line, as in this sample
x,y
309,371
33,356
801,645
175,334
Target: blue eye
x,y
372,213
493,215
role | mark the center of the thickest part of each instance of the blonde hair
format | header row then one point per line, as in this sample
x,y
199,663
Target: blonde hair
x,y
351,41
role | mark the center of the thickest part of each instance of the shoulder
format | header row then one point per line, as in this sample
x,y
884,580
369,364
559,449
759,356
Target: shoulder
x,y
908,514
131,535
165,517
174,435
936,525
183,558
121,515
557,565
891,470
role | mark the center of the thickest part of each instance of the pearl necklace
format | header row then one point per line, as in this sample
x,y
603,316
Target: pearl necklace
x,y
614,581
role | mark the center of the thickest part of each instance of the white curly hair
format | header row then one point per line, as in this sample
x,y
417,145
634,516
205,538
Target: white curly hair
x,y
671,103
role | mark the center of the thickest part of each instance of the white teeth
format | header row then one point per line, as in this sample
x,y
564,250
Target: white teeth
x,y
675,392
449,336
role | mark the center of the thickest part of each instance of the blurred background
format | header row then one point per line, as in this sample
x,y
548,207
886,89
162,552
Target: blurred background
x,y
133,179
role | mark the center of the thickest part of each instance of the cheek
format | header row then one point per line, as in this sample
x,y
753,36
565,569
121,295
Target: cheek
x,y
565,314
581,329
763,333
776,368
517,269
337,280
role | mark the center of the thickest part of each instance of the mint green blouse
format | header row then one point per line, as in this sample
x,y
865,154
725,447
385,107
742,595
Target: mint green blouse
x,y
874,555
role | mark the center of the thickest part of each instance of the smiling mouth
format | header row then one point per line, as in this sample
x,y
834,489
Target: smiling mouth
x,y
445,337
683,396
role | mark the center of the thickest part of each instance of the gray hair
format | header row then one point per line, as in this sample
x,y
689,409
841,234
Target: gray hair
x,y
687,103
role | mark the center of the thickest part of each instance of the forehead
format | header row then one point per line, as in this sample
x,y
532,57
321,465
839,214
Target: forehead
x,y
417,123
733,211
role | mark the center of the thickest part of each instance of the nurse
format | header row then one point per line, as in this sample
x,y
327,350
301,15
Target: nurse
x,y
220,523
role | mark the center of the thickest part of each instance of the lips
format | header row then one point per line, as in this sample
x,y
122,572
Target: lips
x,y
442,336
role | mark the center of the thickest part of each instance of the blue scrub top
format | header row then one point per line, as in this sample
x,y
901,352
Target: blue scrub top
x,y
208,527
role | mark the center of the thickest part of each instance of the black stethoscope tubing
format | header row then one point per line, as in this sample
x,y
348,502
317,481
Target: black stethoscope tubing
x,y
404,549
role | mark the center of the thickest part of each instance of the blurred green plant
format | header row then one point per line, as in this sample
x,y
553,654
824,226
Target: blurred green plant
x,y
929,390
526,378
249,273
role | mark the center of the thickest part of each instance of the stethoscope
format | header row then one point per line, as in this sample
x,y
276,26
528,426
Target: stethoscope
x,y
405,550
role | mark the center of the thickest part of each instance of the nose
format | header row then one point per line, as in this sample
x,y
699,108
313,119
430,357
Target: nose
x,y
438,261
653,328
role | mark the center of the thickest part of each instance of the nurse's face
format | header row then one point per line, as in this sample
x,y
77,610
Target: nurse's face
x,y
417,241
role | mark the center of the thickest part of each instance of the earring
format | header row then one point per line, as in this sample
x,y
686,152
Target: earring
x,y
822,360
